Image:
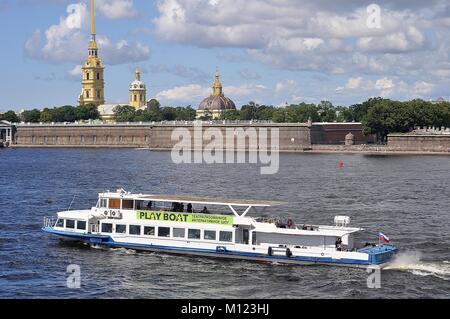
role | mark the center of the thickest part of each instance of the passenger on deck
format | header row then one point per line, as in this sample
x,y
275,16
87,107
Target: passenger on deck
x,y
189,208
181,208
339,244
149,205
205,210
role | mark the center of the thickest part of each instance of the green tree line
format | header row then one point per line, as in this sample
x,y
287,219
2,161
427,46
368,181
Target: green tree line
x,y
154,112
61,114
379,116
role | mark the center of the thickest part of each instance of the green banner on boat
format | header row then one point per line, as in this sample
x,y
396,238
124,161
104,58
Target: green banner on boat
x,y
186,218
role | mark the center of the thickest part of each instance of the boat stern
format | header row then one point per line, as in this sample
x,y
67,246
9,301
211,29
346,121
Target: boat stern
x,y
380,255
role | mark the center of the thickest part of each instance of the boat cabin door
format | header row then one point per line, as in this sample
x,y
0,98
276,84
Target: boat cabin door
x,y
94,226
243,235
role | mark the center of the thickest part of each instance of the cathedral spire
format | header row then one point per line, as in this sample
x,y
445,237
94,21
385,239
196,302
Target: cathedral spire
x,y
93,84
93,20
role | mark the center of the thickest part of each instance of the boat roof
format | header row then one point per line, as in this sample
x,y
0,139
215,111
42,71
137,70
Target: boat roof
x,y
196,200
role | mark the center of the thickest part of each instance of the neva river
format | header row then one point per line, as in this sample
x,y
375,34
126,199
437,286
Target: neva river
x,y
406,197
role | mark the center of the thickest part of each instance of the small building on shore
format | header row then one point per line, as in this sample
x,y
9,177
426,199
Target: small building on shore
x,y
6,133
217,103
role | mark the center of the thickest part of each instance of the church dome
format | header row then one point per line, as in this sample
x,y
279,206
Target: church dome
x,y
217,101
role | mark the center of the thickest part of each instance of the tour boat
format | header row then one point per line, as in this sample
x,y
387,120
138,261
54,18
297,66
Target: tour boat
x,y
200,227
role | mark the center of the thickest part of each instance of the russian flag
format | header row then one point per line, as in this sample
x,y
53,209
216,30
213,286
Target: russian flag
x,y
384,238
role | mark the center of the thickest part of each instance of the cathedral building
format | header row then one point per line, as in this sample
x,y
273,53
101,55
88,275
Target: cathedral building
x,y
217,103
93,84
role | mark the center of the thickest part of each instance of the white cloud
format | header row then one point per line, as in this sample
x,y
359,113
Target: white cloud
x,y
185,94
386,87
117,9
286,85
195,93
67,42
323,36
75,73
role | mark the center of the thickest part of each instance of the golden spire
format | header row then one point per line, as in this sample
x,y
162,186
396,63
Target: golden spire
x,y
217,86
93,20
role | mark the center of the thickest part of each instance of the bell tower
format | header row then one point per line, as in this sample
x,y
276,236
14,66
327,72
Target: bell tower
x,y
93,84
138,92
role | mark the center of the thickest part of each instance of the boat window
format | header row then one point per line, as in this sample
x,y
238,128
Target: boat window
x,y
163,232
146,205
135,230
60,223
139,204
121,229
210,235
194,234
114,203
226,236
107,228
179,232
127,204
149,231
70,224
81,225
103,203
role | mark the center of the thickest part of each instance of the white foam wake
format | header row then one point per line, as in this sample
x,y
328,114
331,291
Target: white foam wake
x,y
411,262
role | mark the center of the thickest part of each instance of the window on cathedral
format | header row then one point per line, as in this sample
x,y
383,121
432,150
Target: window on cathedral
x,y
135,98
87,93
99,94
142,98
88,76
98,76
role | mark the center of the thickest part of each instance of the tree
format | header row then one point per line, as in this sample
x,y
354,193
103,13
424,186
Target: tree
x,y
87,112
327,112
124,113
33,116
153,105
231,115
380,120
249,111
10,116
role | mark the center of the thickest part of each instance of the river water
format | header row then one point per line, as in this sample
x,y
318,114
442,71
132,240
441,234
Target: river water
x,y
406,197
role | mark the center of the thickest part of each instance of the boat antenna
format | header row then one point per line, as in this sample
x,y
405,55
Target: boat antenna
x,y
73,199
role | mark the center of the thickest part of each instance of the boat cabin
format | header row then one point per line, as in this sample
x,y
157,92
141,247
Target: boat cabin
x,y
200,220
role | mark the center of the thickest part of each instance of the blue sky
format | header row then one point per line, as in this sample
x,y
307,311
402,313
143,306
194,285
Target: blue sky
x,y
268,51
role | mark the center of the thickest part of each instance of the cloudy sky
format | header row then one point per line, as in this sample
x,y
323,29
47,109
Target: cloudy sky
x,y
268,51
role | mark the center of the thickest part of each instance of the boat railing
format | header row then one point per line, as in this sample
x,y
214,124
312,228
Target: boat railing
x,y
49,222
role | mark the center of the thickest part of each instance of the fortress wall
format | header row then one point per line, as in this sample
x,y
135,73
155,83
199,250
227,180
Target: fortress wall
x,y
291,137
335,133
419,143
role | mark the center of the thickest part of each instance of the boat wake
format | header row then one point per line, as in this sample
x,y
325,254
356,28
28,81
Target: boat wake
x,y
412,263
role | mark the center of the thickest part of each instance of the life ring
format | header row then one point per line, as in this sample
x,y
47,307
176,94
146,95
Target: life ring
x,y
322,254
113,214
105,213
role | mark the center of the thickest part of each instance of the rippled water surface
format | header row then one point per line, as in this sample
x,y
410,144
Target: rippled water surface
x,y
405,197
